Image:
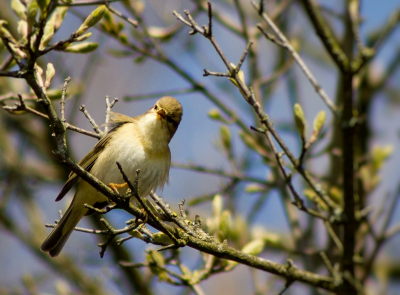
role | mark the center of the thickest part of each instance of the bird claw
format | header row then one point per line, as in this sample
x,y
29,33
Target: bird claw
x,y
116,186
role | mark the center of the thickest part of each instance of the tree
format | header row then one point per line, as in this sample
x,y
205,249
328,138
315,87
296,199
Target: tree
x,y
327,180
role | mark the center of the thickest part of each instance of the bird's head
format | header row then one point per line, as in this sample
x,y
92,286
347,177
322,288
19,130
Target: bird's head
x,y
169,111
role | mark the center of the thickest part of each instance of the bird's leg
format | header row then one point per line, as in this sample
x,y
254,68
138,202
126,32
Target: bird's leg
x,y
116,186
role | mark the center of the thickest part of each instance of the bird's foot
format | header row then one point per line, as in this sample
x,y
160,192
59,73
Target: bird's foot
x,y
116,186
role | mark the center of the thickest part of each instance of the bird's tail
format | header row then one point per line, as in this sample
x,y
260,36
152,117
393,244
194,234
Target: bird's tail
x,y
60,234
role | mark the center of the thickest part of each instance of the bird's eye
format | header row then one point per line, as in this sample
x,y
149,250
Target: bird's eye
x,y
170,120
156,107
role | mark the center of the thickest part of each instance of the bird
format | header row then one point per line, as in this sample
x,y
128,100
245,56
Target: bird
x,y
136,143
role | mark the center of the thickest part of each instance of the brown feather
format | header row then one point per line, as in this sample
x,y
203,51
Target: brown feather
x,y
89,160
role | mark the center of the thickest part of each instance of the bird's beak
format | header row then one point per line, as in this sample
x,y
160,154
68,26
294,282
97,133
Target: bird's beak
x,y
161,113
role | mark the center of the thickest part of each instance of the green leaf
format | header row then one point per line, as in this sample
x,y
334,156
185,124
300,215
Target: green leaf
x,y
83,37
319,122
253,188
254,247
23,29
225,223
119,53
317,126
54,94
47,34
50,72
299,120
93,18
31,12
217,205
84,47
58,17
19,9
379,154
226,139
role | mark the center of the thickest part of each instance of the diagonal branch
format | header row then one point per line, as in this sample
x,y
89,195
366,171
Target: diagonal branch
x,y
263,117
284,42
326,35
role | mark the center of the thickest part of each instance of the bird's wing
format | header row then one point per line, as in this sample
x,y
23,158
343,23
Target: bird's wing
x,y
116,119
90,159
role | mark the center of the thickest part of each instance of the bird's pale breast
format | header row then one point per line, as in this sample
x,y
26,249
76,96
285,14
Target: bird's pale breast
x,y
127,148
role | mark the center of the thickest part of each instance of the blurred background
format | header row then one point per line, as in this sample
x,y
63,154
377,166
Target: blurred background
x,y
30,177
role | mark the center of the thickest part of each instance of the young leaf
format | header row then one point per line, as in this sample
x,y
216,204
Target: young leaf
x,y
299,120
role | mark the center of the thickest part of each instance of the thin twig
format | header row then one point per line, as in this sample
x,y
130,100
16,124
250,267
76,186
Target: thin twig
x,y
334,237
234,176
62,102
326,35
243,57
217,74
133,22
106,232
24,107
286,44
135,192
171,215
249,97
327,262
13,74
91,120
109,106
6,62
299,203
181,210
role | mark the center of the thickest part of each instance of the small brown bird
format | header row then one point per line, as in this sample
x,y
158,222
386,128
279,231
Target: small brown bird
x,y
136,143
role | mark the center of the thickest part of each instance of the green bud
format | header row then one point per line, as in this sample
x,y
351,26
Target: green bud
x,y
253,188
254,247
84,47
83,37
379,154
186,273
19,9
136,234
161,33
39,73
54,94
319,121
336,194
217,205
299,120
215,115
4,33
240,74
139,6
311,195
120,26
317,126
93,18
226,138
43,4
225,223
156,264
50,72
23,29
295,44
31,12
156,257
58,17
162,238
108,17
123,38
47,35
